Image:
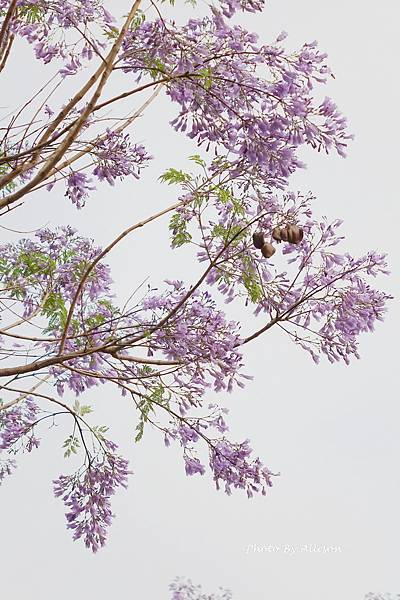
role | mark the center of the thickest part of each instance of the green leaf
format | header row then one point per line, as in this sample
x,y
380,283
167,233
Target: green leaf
x,y
206,75
173,176
180,234
224,195
71,445
31,13
145,406
251,281
55,310
81,409
198,160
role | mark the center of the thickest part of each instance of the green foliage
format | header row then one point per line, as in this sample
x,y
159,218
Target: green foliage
x,y
155,66
180,234
233,234
55,310
4,169
192,3
173,176
198,160
145,406
99,431
138,20
28,265
251,281
30,13
71,446
225,196
206,75
95,321
81,409
111,32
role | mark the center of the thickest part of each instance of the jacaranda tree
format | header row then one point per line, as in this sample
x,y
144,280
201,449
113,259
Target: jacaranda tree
x,y
248,107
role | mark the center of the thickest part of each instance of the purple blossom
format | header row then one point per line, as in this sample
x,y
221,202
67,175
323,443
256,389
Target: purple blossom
x,y
117,157
16,424
200,336
78,188
87,495
185,589
53,29
193,466
6,468
230,7
256,123
231,465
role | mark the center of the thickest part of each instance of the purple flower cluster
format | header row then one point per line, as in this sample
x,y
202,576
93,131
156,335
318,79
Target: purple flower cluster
x,y
230,7
53,28
46,271
6,468
78,188
255,123
198,335
117,158
230,463
87,495
16,423
323,297
185,589
17,433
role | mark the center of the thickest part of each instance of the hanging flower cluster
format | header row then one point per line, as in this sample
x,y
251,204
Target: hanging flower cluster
x,y
87,494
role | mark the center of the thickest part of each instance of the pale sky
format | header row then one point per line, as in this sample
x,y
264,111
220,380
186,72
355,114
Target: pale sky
x,y
335,440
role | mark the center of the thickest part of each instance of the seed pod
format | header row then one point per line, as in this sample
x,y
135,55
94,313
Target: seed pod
x,y
295,234
258,239
300,235
284,234
276,234
267,250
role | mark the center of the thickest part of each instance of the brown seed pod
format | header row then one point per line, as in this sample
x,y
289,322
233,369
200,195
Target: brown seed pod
x,y
258,239
284,234
276,234
300,234
268,250
295,234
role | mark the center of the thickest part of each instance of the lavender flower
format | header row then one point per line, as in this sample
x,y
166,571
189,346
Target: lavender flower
x,y
78,188
53,29
118,158
16,423
6,468
184,589
230,464
258,123
87,495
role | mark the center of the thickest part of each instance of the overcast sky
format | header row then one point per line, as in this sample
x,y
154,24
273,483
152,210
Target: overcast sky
x,y
335,440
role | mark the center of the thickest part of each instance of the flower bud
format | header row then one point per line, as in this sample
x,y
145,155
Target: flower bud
x,y
276,234
267,250
258,239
